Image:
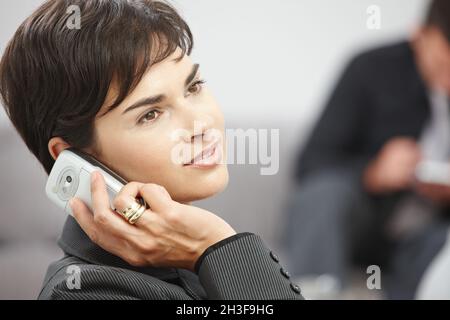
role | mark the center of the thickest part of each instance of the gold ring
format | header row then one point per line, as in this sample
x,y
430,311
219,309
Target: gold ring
x,y
133,212
137,215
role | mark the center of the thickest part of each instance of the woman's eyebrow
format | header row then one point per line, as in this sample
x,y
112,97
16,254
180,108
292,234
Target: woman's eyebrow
x,y
145,102
192,74
160,97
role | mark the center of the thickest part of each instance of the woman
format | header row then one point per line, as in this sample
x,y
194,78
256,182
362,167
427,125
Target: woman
x,y
122,87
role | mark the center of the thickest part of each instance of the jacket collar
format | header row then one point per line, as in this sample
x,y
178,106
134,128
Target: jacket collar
x,y
75,242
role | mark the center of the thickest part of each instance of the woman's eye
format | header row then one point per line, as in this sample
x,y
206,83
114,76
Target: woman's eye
x,y
150,116
196,87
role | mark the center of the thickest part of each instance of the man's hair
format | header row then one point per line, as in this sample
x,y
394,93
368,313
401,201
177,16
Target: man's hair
x,y
54,78
438,15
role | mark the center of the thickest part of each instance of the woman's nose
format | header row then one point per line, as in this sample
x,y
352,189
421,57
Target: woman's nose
x,y
199,126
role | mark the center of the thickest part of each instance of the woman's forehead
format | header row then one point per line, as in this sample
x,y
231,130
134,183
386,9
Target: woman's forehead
x,y
157,79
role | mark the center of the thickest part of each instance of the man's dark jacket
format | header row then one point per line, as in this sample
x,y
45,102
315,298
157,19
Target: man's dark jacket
x,y
379,96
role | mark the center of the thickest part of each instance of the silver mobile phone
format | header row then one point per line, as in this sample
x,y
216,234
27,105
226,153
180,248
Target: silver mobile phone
x,y
71,177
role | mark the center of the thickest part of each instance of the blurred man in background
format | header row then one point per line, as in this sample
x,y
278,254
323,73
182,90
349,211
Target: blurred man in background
x,y
358,201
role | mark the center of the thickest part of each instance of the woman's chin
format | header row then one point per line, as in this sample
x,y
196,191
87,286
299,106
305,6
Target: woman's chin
x,y
203,189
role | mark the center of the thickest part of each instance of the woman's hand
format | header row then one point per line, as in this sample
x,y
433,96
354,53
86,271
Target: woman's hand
x,y
169,234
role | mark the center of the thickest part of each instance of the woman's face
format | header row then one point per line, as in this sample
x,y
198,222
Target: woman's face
x,y
152,142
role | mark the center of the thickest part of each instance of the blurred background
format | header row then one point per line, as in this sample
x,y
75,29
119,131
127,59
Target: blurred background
x,y
271,65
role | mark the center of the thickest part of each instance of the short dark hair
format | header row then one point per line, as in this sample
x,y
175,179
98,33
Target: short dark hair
x,y
54,79
438,15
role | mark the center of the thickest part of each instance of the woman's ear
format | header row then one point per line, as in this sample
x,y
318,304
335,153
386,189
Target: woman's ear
x,y
56,145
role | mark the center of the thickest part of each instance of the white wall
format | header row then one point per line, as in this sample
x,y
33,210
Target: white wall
x,y
270,61
276,60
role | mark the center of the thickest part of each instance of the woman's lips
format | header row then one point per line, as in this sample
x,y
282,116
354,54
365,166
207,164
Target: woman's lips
x,y
209,157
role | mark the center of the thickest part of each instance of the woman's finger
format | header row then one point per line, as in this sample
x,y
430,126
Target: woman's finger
x,y
85,219
127,195
103,215
156,196
99,195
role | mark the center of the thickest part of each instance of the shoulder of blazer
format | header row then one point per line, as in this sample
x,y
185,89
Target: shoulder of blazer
x,y
71,278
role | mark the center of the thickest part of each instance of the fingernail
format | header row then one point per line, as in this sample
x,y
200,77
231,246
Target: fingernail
x,y
71,203
93,176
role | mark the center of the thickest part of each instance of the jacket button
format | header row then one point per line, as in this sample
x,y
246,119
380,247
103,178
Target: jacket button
x,y
295,288
285,273
274,257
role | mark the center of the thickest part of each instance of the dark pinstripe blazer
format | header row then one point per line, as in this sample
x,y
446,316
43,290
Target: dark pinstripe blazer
x,y
239,267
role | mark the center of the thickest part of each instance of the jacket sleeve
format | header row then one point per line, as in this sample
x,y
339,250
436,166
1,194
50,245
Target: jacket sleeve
x,y
242,267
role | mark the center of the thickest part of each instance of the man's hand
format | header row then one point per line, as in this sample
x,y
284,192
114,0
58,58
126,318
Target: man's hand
x,y
436,192
393,168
